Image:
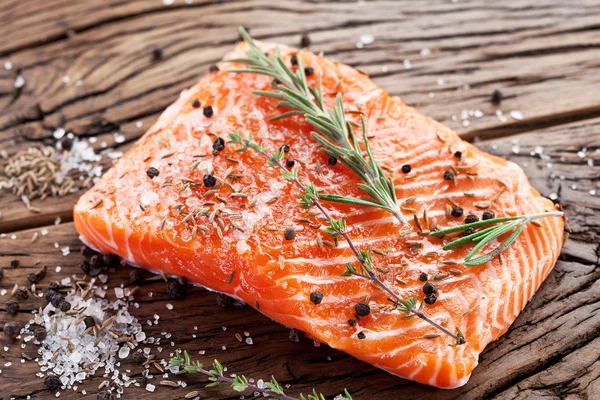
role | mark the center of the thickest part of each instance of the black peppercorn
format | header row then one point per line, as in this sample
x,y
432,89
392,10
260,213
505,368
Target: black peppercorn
x,y
488,214
105,395
207,111
362,309
96,261
285,148
308,71
223,300
15,263
64,306
87,252
213,68
294,336
294,60
332,160
430,298
50,295
289,233
196,103
89,322
361,335
137,275
351,322
53,286
209,180
39,333
497,97
85,266
157,54
304,40
12,307
52,382
67,143
458,154
406,168
12,330
218,144
139,357
110,259
449,175
423,277
457,212
152,172
38,276
471,218
175,289
289,163
429,288
22,293
316,297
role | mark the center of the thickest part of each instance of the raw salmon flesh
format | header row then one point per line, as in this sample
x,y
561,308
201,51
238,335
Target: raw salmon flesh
x,y
230,237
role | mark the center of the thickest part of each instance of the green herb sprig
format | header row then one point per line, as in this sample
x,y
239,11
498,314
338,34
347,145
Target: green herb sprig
x,y
272,389
338,227
485,236
334,132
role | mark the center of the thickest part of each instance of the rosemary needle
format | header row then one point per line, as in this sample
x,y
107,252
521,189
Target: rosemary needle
x,y
333,131
485,236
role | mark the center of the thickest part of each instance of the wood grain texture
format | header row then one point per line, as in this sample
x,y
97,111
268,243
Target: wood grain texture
x,y
542,55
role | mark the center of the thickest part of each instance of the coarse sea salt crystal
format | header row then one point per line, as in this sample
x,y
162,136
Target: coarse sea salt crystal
x,y
150,387
407,64
148,198
59,133
169,306
124,351
516,114
425,52
8,65
367,39
19,81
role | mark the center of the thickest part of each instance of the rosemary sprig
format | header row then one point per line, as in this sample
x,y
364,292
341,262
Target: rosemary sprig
x,y
485,236
239,383
334,132
337,227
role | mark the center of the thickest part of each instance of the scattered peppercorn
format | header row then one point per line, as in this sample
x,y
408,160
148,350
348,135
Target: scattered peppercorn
x,y
12,307
38,276
213,68
449,175
423,277
316,297
497,97
362,309
105,395
87,252
207,111
218,144
351,322
137,275
53,286
85,266
157,54
430,298
175,289
89,322
285,148
110,259
471,218
39,333
429,288
12,329
294,336
152,172
15,263
457,211
304,40
406,168
294,60
308,71
209,180
64,306
67,143
96,261
332,160
139,357
22,293
289,163
196,103
289,233
458,154
488,214
50,295
52,382
361,335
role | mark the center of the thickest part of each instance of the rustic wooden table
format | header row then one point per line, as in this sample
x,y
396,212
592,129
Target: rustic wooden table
x,y
443,57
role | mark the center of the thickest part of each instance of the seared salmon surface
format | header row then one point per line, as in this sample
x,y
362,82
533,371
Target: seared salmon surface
x,y
156,209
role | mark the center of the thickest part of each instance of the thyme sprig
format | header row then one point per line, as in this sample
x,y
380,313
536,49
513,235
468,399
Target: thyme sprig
x,y
485,236
239,383
338,227
334,132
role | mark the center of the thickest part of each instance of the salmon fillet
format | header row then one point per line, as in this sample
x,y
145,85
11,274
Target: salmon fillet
x,y
230,238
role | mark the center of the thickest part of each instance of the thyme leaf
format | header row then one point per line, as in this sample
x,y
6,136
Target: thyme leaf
x,y
486,236
239,383
338,228
333,131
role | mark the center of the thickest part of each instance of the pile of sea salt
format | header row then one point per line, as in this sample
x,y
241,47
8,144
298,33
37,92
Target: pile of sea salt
x,y
74,355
